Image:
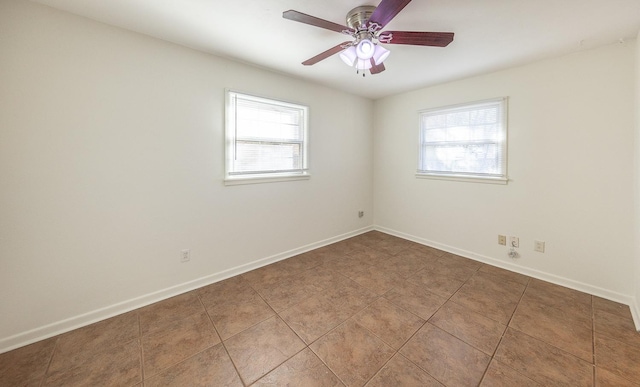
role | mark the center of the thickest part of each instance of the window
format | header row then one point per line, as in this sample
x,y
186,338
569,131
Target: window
x,y
465,142
266,140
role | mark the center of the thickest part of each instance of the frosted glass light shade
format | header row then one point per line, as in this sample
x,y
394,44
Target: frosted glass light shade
x,y
365,49
349,56
380,54
364,64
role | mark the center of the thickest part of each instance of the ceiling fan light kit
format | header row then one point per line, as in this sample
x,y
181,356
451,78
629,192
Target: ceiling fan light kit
x,y
364,25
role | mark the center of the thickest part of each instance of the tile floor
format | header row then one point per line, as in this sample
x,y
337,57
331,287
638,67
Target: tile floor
x,y
373,310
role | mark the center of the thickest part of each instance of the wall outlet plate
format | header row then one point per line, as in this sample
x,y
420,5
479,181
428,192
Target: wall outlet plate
x,y
538,246
502,240
514,241
185,255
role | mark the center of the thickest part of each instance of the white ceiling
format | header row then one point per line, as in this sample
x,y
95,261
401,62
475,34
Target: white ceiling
x,y
489,34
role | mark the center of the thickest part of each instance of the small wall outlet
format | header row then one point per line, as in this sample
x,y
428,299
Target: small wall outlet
x,y
360,214
538,246
514,241
502,240
185,255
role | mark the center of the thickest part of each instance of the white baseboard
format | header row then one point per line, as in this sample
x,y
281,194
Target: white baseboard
x,y
558,280
59,327
635,312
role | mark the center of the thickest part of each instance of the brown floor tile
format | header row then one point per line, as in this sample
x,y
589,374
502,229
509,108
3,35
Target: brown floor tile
x,y
542,362
211,367
322,278
304,369
26,366
415,299
617,357
324,311
116,365
372,236
470,327
73,347
453,260
605,378
347,246
450,269
503,274
389,322
238,312
555,327
604,305
616,327
401,372
392,245
569,300
352,352
301,262
266,275
407,263
263,347
346,263
497,301
229,291
373,278
436,283
325,254
177,342
369,256
288,291
155,316
499,375
446,358
574,315
428,250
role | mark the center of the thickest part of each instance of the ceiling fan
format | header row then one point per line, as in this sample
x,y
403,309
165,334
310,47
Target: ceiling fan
x,y
364,25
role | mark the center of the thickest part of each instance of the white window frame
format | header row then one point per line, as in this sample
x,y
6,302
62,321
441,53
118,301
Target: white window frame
x,y
234,177
498,178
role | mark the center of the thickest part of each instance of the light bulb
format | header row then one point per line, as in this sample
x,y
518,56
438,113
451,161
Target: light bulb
x,y
365,49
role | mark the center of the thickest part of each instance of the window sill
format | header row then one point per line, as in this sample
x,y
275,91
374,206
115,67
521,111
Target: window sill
x,y
259,179
467,179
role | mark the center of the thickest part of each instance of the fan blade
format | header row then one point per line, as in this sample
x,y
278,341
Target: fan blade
x,y
437,39
376,69
387,10
314,21
326,54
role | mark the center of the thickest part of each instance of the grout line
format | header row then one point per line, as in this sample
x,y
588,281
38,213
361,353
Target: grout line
x,y
46,372
221,341
140,345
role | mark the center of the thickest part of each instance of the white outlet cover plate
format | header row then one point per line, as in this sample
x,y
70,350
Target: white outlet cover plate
x,y
514,241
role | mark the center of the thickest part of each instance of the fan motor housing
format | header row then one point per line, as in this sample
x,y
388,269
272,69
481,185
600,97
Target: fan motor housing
x,y
358,17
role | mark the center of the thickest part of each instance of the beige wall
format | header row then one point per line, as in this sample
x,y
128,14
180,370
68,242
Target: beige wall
x,y
571,157
111,162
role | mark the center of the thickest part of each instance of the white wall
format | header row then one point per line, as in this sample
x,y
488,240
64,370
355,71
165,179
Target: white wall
x,y
571,155
111,162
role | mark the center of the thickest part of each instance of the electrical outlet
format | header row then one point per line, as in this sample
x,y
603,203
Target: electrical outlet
x,y
514,241
502,240
185,255
538,246
360,214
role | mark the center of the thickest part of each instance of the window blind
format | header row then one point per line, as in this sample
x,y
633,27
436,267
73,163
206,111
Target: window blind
x,y
268,136
467,140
